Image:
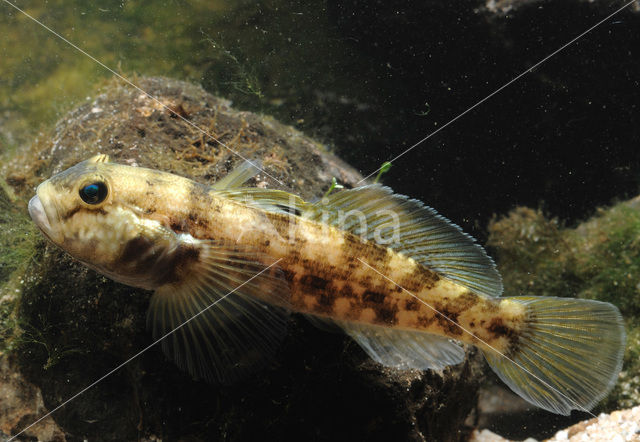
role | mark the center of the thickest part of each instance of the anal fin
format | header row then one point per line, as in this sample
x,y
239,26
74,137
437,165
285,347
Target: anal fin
x,y
402,349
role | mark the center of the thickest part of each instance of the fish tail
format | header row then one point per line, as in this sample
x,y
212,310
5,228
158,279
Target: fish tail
x,y
567,356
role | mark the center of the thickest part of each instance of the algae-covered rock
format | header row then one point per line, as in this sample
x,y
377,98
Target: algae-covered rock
x,y
76,325
20,400
17,247
598,259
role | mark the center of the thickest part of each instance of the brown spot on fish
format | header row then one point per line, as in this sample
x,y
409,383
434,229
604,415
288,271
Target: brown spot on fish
x,y
178,226
425,321
70,213
313,282
135,248
347,291
178,110
448,321
412,305
498,328
75,210
174,267
196,220
387,314
420,279
373,297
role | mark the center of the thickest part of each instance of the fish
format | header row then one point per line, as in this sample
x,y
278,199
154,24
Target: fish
x,y
228,263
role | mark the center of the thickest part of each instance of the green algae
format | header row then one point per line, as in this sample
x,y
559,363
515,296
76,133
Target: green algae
x,y
226,46
17,238
599,259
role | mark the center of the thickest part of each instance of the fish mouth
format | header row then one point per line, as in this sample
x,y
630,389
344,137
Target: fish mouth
x,y
39,217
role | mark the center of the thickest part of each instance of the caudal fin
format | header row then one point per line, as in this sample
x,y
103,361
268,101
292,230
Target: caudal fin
x,y
568,356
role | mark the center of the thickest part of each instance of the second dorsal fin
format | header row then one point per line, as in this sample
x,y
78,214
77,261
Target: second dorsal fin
x,y
409,227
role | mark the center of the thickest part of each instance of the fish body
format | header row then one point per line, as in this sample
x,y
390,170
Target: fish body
x,y
393,274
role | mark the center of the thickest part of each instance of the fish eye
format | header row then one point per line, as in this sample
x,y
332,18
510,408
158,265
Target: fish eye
x,y
94,193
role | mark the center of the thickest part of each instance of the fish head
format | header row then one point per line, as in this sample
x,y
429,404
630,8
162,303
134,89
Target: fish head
x,y
95,211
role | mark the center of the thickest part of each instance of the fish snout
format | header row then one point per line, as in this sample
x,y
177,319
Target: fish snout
x,y
39,217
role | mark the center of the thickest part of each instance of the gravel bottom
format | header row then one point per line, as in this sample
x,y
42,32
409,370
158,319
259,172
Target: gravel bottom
x,y
619,426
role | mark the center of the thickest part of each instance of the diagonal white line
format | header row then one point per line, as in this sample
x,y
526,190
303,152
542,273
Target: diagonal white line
x,y
266,173
478,338
140,352
130,83
507,84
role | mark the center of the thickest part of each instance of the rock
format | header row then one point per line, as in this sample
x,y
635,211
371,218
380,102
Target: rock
x,y
511,6
500,411
22,404
78,325
619,426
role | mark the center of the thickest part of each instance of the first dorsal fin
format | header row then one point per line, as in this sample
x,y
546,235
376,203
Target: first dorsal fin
x,y
409,227
272,200
238,176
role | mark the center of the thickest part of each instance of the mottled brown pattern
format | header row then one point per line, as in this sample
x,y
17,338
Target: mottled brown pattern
x,y
421,279
412,305
314,283
498,328
72,212
373,298
135,249
448,322
424,321
174,267
347,291
387,314
321,264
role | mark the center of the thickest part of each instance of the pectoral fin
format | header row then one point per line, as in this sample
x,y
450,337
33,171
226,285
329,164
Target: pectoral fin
x,y
225,317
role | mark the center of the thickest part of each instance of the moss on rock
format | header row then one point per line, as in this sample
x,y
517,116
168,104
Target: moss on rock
x,y
598,259
79,325
17,243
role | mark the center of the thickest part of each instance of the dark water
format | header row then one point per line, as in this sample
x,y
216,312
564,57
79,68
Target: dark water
x,y
370,79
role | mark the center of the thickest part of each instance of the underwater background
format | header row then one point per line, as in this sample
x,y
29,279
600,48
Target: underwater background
x,y
545,173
